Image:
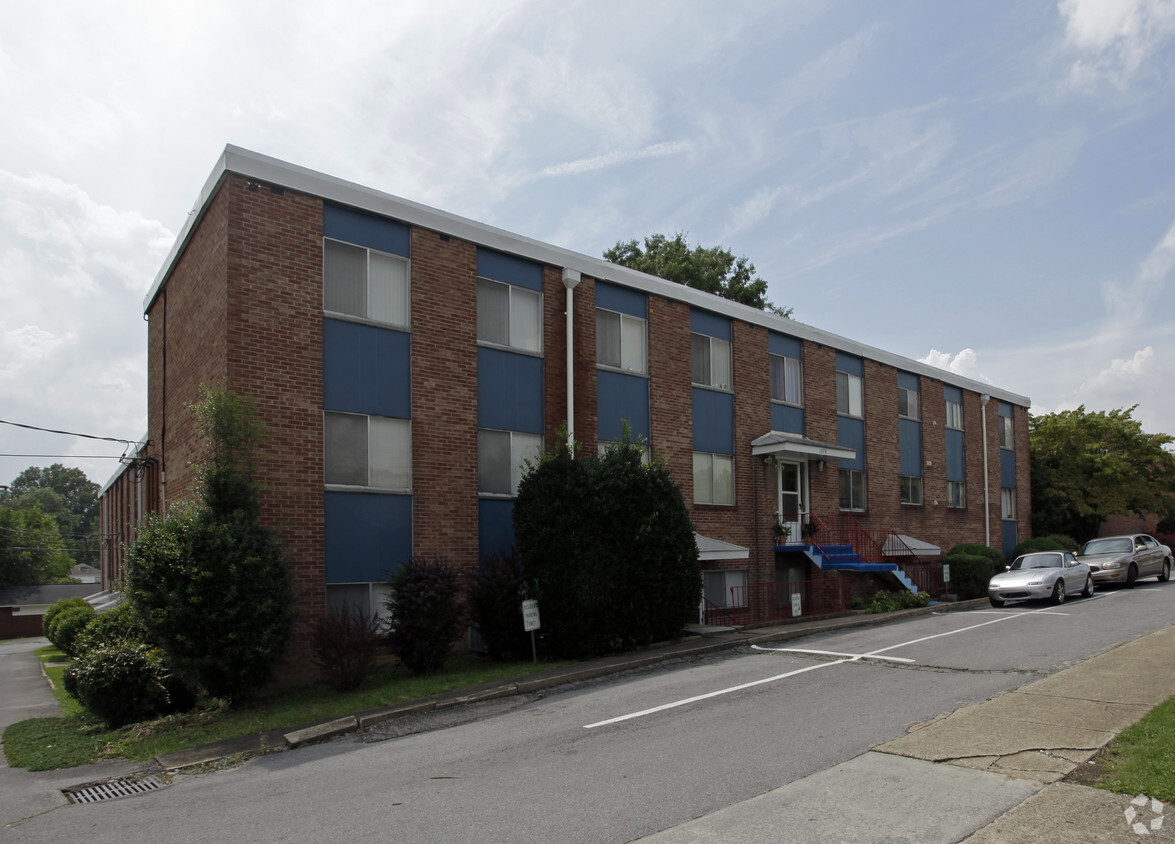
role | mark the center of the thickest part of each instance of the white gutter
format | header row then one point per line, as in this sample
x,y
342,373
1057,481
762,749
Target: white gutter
x,y
571,279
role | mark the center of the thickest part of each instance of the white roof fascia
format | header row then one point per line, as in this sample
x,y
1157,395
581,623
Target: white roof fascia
x,y
276,172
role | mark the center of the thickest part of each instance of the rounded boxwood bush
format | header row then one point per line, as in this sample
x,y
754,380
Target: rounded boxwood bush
x,y
125,683
68,625
55,610
116,625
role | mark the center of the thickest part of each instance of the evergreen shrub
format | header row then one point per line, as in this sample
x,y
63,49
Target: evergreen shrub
x,y
425,616
117,625
68,625
125,683
56,609
496,593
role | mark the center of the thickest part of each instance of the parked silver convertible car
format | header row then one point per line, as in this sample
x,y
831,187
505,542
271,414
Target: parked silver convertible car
x,y
1124,559
1045,574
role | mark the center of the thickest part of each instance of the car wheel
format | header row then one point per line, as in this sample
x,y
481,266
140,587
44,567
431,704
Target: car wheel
x,y
1131,576
1059,591
995,602
1166,575
1087,592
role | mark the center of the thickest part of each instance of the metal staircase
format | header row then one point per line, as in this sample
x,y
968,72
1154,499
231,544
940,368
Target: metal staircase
x,y
843,544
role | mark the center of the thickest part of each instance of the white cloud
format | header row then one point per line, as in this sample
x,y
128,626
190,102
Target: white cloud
x,y
964,363
1113,38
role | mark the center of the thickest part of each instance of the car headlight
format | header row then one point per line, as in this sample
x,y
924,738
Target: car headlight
x,y
1114,565
1035,582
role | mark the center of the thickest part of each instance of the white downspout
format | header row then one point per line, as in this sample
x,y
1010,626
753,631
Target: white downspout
x,y
571,279
983,400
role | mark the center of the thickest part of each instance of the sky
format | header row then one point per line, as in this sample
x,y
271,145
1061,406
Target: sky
x,y
987,187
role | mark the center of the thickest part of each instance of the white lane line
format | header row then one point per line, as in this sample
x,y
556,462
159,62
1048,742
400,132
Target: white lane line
x,y
708,695
850,657
854,658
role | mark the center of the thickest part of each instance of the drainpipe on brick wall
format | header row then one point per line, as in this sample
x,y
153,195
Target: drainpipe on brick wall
x,y
983,400
571,279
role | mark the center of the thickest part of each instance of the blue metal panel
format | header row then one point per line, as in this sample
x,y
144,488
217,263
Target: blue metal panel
x,y
1005,409
784,417
956,457
910,445
365,230
367,536
704,322
502,267
622,300
851,434
954,394
495,527
713,421
618,398
909,381
366,369
509,391
781,344
1010,536
851,364
1007,467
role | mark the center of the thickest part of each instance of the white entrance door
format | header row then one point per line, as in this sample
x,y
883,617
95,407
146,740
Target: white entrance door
x,y
792,500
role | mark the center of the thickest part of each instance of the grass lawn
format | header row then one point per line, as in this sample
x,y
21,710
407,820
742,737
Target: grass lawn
x,y
78,738
1141,760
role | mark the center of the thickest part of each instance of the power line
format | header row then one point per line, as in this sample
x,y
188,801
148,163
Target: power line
x,y
67,456
69,433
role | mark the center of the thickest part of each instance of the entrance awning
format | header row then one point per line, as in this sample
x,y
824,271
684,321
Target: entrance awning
x,y
900,545
711,550
781,444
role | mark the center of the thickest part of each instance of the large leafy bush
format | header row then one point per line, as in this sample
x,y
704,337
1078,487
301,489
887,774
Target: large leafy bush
x,y
55,610
69,624
972,566
608,550
126,682
425,617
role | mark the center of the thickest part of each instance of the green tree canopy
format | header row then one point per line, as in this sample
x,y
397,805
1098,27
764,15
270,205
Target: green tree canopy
x,y
31,549
68,496
1089,466
714,269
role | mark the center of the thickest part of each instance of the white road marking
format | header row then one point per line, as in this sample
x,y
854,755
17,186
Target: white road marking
x,y
852,657
849,658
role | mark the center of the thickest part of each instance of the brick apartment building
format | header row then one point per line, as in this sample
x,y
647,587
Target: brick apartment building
x,y
406,361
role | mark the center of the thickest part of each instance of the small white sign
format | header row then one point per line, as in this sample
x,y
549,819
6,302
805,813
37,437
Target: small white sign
x,y
530,616
795,605
946,573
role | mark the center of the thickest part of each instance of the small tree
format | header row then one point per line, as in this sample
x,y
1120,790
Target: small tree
x,y
209,581
608,550
425,615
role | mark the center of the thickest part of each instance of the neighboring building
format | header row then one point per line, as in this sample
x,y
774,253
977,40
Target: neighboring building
x,y
22,608
406,361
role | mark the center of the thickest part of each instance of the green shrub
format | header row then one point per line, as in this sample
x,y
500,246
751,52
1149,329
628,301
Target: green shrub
x,y
346,646
68,625
994,556
57,609
425,616
117,625
885,601
496,593
125,683
608,550
1039,543
970,573
214,592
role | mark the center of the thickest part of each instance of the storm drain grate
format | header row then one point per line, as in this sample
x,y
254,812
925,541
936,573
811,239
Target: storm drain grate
x,y
112,790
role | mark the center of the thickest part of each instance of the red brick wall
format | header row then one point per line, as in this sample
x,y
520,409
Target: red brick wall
x,y
670,394
444,398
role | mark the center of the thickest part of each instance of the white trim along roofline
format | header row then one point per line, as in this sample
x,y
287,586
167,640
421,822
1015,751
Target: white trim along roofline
x,y
272,171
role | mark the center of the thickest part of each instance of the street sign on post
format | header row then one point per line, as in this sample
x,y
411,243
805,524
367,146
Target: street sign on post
x,y
531,623
946,573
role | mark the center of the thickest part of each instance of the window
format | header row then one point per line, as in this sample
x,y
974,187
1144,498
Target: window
x,y
1008,503
911,490
363,283
848,395
508,315
908,403
786,380
713,478
620,341
852,489
956,494
710,358
954,415
725,589
368,451
500,459
1006,432
367,598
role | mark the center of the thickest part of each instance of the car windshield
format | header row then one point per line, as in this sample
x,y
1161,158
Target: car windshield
x,y
1037,561
1118,545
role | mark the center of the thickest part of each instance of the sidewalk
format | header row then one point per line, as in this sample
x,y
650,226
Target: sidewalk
x,y
991,771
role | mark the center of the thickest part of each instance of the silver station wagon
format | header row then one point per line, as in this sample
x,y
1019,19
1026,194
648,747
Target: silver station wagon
x,y
1124,559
